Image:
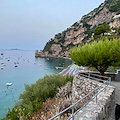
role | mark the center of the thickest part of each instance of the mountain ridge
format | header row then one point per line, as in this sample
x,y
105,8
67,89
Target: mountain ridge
x,y
82,30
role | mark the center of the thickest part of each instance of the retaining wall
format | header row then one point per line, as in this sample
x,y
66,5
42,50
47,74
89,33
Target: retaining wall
x,y
93,111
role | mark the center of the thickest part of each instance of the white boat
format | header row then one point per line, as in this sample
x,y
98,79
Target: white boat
x,y
59,67
3,65
8,84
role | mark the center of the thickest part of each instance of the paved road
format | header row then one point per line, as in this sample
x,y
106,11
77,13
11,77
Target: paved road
x,y
117,98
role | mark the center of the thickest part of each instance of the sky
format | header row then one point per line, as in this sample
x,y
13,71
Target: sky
x,y
29,24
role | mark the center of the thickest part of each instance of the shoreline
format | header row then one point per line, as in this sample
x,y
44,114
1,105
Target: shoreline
x,y
42,54
70,70
53,57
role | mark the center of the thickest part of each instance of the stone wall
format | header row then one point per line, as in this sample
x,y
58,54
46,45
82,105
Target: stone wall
x,y
82,86
93,111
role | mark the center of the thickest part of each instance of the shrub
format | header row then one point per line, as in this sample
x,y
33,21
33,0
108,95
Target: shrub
x,y
33,96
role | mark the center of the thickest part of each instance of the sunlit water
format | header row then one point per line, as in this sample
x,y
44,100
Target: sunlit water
x,y
29,69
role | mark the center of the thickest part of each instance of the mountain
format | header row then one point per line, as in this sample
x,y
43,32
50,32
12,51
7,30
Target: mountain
x,y
82,30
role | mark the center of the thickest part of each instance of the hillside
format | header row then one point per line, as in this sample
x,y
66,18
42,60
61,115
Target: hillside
x,y
81,31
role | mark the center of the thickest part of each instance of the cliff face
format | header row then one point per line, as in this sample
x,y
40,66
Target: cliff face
x,y
103,16
81,31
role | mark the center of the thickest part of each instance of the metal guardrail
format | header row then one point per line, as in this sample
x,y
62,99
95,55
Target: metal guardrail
x,y
96,77
96,92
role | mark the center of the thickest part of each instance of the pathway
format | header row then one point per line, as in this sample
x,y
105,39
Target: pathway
x,y
116,84
71,70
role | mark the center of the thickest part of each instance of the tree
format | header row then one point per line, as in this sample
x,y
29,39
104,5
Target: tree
x,y
117,30
100,54
101,29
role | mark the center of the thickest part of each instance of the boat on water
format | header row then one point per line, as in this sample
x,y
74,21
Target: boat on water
x,y
2,53
1,68
8,84
59,67
3,65
40,65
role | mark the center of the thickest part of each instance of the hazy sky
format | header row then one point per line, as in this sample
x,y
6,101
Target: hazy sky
x,y
29,24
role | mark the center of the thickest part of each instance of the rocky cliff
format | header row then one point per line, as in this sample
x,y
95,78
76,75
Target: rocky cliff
x,y
81,31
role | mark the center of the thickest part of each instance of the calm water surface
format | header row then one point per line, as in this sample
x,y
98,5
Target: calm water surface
x,y
29,69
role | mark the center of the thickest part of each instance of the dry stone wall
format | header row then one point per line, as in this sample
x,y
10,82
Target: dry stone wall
x,y
82,86
93,111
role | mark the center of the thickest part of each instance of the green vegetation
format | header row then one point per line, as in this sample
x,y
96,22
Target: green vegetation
x,y
33,97
89,34
101,29
112,5
58,36
76,24
89,30
111,69
71,45
99,55
117,31
86,25
115,6
108,3
62,37
48,45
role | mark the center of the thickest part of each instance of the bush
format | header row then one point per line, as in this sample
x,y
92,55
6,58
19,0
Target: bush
x,y
101,29
33,96
115,7
44,88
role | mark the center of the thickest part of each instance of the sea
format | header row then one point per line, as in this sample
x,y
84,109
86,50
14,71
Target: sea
x,y
20,67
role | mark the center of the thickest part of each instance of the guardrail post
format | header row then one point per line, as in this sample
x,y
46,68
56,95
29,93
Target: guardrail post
x,y
73,113
96,95
109,80
105,85
89,76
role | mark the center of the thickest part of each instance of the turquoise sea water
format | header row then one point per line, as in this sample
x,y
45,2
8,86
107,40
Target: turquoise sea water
x,y
29,69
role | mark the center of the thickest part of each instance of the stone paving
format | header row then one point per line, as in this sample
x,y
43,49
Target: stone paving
x,y
116,84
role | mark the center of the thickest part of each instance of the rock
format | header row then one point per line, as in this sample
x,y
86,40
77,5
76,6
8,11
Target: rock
x,y
78,33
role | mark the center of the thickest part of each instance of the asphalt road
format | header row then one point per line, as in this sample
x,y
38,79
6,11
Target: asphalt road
x,y
116,84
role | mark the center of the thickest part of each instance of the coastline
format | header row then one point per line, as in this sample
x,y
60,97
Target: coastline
x,y
29,70
42,54
70,70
